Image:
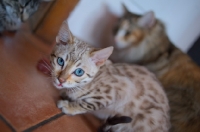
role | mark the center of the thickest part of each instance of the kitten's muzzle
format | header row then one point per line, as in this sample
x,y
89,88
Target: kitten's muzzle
x,y
61,80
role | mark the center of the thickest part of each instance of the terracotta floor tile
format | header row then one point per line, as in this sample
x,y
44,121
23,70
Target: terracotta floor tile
x,y
27,96
68,124
4,127
91,121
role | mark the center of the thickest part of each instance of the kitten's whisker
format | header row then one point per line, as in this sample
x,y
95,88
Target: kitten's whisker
x,y
47,68
53,75
73,91
78,88
49,78
46,64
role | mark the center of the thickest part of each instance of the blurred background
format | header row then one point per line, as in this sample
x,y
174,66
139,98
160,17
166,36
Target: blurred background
x,y
27,96
181,18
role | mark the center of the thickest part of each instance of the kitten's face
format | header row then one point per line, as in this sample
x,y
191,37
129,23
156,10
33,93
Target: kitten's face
x,y
74,63
72,66
21,9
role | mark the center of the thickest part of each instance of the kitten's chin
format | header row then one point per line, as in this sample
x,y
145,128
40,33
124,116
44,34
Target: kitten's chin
x,y
58,87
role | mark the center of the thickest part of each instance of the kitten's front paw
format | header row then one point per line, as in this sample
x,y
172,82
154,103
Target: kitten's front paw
x,y
64,106
62,103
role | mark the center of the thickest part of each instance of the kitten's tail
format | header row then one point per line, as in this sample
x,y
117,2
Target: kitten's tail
x,y
114,121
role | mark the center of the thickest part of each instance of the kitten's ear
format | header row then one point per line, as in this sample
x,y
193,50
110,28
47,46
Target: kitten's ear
x,y
147,20
99,57
125,10
64,35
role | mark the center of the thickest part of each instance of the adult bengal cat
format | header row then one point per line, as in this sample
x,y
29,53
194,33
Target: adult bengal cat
x,y
143,40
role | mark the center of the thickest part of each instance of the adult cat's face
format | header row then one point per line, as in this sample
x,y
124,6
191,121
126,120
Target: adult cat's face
x,y
139,37
74,63
131,29
21,9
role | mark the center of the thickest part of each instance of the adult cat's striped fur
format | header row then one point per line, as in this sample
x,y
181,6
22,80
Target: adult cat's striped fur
x,y
143,40
14,12
93,84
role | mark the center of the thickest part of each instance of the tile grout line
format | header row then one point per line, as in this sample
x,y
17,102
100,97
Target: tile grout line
x,y
44,122
7,123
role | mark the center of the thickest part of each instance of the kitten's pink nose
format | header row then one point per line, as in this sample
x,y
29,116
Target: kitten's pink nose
x,y
61,80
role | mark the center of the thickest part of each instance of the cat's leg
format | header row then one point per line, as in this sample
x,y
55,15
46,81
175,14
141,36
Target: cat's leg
x,y
71,108
83,105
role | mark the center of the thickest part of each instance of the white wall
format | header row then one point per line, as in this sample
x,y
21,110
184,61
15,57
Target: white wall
x,y
182,18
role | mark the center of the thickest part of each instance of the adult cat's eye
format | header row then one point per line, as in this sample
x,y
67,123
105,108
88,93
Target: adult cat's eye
x,y
79,72
60,61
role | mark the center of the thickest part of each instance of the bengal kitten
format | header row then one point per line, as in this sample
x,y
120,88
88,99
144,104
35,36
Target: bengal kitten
x,y
93,84
14,12
143,40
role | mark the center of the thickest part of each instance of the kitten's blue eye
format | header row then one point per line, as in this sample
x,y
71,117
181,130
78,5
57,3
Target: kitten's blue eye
x,y
60,61
79,72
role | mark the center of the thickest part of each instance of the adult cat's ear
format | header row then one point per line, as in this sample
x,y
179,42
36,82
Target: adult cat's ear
x,y
147,20
99,57
64,35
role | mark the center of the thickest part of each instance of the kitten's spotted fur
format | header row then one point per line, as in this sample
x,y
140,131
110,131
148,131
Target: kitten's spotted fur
x,y
14,12
107,89
143,40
